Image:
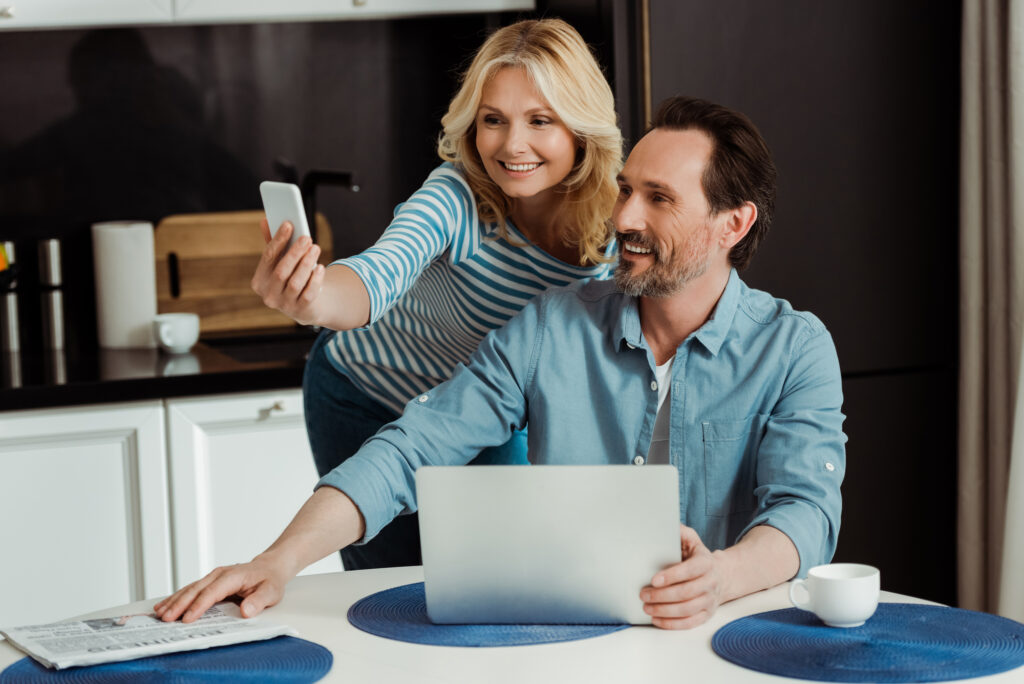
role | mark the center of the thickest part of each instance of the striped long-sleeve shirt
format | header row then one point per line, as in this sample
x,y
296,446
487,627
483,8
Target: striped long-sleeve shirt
x,y
439,279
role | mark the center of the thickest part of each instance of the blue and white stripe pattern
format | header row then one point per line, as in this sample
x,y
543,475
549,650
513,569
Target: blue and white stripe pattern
x,y
439,279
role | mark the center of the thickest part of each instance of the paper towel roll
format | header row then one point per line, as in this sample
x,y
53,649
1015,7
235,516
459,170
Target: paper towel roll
x,y
125,283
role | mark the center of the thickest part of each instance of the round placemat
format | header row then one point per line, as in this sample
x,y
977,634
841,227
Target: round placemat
x,y
902,642
400,613
282,660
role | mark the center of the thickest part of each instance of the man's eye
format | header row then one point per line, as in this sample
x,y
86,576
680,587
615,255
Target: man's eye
x,y
659,198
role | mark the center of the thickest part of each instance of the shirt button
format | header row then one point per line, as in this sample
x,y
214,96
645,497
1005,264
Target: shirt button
x,y
654,385
422,398
638,460
829,467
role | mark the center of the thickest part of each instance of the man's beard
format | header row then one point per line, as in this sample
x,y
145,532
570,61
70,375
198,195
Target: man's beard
x,y
669,273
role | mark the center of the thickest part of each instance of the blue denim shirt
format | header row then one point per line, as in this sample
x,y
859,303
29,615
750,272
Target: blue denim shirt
x,y
756,421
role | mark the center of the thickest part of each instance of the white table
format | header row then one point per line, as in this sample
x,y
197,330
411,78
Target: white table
x,y
316,606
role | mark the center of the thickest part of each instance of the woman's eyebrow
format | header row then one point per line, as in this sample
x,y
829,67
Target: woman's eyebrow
x,y
531,112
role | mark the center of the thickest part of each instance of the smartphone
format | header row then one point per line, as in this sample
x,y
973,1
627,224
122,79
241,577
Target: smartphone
x,y
283,202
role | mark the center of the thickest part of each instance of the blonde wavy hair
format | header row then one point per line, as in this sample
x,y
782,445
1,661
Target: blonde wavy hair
x,y
564,71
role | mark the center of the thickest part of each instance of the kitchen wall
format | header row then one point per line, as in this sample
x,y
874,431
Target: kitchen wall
x,y
142,123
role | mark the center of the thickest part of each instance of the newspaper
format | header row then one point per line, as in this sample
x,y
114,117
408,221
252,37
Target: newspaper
x,y
126,637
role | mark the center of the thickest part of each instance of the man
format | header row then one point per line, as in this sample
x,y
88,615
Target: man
x,y
676,361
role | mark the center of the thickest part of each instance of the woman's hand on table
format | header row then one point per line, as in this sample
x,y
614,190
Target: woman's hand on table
x,y
259,582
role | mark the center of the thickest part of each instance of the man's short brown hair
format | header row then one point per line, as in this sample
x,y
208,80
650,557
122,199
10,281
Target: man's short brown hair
x,y
740,169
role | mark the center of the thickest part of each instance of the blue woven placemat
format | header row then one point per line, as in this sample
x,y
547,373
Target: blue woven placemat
x,y
401,614
902,642
283,660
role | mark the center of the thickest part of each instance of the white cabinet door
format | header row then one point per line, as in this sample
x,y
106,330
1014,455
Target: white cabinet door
x,y
241,468
83,510
298,10
30,14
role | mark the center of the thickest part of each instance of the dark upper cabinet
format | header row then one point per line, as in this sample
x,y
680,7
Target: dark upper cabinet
x,y
859,101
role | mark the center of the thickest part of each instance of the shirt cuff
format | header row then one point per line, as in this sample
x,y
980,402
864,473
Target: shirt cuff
x,y
364,479
363,269
806,527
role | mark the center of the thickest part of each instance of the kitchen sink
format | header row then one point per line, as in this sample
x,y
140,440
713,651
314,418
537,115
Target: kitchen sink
x,y
258,346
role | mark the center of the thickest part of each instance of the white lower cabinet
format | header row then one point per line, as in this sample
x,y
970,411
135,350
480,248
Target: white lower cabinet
x,y
108,504
83,510
240,469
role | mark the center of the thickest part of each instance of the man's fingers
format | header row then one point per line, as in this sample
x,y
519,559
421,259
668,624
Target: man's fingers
x,y
690,541
681,623
264,596
675,593
689,569
193,600
265,227
171,607
227,584
683,608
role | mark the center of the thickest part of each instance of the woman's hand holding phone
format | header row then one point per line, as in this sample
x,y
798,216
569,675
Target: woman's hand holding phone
x,y
290,279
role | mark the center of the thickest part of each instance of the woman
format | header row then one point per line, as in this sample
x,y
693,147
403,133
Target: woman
x,y
530,148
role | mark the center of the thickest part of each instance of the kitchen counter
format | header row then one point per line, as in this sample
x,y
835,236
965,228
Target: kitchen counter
x,y
219,363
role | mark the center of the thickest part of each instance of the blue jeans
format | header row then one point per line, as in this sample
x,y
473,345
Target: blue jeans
x,y
339,418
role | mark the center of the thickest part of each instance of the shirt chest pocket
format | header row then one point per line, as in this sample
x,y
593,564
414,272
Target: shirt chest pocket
x,y
730,464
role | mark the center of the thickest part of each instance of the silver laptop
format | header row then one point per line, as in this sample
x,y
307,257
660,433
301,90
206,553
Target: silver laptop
x,y
545,544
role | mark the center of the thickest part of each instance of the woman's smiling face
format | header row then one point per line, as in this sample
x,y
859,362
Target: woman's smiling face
x,y
524,146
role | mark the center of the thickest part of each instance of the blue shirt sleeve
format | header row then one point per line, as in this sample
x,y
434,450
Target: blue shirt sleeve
x,y
479,407
802,457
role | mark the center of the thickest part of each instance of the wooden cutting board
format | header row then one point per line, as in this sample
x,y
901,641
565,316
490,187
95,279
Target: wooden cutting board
x,y
205,262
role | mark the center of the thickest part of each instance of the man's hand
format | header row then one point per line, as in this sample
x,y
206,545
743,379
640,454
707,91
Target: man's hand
x,y
328,521
259,582
686,594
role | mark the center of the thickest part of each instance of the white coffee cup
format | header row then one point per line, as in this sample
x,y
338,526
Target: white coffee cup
x,y
841,594
176,332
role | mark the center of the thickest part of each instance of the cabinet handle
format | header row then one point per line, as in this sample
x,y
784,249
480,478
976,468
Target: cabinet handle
x,y
7,12
265,412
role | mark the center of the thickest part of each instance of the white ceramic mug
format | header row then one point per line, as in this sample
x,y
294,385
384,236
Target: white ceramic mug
x,y
841,594
176,332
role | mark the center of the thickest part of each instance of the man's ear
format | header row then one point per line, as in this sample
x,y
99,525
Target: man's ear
x,y
737,224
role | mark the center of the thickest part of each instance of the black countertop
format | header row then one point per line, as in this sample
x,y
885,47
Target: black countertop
x,y
240,362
